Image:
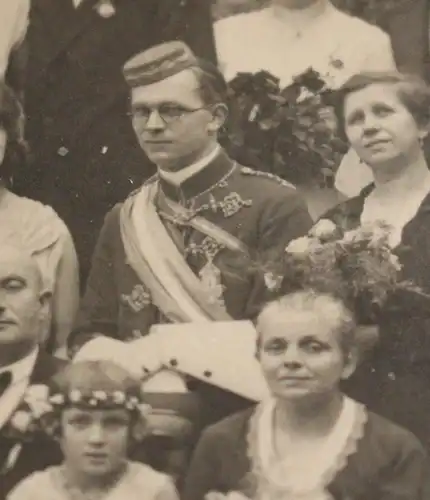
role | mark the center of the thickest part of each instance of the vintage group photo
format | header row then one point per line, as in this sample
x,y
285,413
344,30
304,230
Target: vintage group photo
x,y
214,249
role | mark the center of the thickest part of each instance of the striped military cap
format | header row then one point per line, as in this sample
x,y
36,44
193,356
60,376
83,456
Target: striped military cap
x,y
157,63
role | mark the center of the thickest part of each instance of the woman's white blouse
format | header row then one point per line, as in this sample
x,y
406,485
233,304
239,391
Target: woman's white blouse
x,y
331,42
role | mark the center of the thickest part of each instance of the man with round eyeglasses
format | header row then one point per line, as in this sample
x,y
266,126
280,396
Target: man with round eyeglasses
x,y
166,255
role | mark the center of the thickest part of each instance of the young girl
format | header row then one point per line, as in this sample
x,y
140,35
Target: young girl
x,y
94,409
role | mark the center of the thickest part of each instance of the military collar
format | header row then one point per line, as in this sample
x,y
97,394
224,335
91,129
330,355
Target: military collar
x,y
212,175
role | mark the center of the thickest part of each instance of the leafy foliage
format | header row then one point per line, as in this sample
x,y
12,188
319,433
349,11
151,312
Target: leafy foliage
x,y
355,266
287,131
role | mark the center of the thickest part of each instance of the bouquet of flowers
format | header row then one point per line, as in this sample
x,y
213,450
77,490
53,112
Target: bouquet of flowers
x,y
357,266
290,132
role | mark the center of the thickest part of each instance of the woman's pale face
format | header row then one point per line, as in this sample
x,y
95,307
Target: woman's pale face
x,y
380,127
300,355
3,140
95,442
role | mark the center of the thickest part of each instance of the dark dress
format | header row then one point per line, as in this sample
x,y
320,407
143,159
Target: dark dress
x,y
394,380
85,156
388,464
39,453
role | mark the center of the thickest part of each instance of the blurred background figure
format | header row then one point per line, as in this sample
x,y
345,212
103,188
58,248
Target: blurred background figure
x,y
85,156
13,27
37,228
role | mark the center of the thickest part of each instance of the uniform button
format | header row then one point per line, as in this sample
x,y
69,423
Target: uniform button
x,y
104,150
207,373
392,376
173,362
63,151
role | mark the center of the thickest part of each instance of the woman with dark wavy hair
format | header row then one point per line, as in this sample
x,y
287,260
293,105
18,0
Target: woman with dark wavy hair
x,y
36,227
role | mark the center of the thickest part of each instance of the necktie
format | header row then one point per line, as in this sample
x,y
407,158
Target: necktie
x,y
5,381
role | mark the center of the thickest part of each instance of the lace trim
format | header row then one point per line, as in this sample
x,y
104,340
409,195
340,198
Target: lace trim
x,y
262,480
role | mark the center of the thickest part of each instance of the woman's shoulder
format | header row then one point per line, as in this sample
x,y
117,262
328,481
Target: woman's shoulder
x,y
358,26
391,439
37,485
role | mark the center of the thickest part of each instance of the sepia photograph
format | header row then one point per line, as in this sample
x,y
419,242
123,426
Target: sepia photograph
x,y
214,249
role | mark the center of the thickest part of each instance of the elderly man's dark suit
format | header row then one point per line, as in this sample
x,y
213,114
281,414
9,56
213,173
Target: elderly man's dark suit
x,y
85,155
37,454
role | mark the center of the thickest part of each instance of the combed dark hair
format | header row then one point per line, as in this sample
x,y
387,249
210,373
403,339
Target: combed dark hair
x,y
213,87
412,91
12,122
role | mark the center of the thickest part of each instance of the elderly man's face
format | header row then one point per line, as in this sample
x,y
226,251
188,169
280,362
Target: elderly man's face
x,y
172,123
23,305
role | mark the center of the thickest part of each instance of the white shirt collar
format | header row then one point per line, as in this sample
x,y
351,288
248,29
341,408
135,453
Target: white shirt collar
x,y
22,368
177,178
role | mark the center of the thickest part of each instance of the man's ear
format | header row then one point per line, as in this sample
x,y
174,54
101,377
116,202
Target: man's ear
x,y
219,117
45,299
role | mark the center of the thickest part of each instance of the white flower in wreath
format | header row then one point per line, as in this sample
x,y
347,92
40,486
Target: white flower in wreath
x,y
324,229
37,398
299,246
21,421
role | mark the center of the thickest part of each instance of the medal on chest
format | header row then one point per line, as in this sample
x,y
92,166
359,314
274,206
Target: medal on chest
x,y
210,276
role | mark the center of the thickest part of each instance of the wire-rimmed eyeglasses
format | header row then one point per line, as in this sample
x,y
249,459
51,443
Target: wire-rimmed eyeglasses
x,y
167,112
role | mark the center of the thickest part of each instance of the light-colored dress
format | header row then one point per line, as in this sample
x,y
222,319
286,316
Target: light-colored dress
x,y
140,482
286,43
37,228
13,23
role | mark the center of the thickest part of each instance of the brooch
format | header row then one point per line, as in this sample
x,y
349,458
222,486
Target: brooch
x,y
105,8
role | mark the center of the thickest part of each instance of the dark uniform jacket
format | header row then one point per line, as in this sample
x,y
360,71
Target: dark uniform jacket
x,y
37,454
261,211
85,156
258,209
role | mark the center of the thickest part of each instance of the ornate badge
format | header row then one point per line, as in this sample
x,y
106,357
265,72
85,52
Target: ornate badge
x,y
210,277
138,299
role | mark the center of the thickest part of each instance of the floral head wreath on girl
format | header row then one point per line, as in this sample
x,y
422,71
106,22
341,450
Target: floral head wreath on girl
x,y
90,385
357,267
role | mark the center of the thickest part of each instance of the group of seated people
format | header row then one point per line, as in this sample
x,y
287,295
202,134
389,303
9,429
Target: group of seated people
x,y
181,250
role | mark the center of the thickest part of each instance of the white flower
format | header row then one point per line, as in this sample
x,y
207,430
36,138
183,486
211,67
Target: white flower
x,y
36,397
75,396
300,245
323,230
394,261
271,281
37,391
21,421
144,409
118,397
351,236
57,399
100,395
